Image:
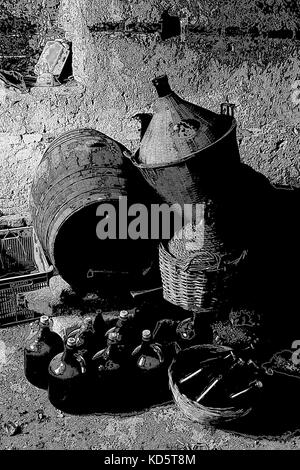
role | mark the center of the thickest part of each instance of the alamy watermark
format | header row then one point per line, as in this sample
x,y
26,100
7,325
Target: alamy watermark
x,y
156,221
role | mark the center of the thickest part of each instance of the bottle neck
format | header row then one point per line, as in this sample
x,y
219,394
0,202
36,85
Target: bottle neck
x,y
68,354
162,86
145,345
114,351
123,322
44,331
186,329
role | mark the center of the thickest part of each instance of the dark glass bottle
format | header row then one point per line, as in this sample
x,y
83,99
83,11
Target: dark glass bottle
x,y
89,339
38,352
165,336
218,380
112,370
87,342
248,391
100,326
185,333
125,329
194,330
150,372
111,358
199,376
148,355
67,384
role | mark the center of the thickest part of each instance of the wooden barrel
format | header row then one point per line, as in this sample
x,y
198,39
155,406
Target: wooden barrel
x,y
80,170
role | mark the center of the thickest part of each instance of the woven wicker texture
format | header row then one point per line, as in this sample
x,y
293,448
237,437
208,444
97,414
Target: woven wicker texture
x,y
193,239
179,129
187,361
202,281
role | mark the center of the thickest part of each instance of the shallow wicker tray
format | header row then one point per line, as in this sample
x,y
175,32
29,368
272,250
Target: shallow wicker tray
x,y
191,409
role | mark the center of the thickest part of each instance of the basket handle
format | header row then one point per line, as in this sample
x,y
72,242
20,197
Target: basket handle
x,y
98,354
159,352
240,258
227,108
81,361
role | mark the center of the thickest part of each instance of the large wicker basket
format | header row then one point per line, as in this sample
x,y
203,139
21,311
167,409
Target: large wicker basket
x,y
203,281
189,359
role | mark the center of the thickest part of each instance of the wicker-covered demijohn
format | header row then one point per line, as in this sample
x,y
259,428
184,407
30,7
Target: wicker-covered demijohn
x,y
187,152
198,279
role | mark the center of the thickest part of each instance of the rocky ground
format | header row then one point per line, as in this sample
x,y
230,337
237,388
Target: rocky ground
x,y
29,421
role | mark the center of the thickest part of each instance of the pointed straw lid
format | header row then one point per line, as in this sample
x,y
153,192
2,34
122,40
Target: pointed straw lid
x,y
179,129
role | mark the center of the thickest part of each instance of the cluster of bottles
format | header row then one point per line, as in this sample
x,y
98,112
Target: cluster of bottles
x,y
91,365
225,379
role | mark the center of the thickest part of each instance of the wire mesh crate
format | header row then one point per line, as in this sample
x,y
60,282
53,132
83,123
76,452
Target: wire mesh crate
x,y
23,268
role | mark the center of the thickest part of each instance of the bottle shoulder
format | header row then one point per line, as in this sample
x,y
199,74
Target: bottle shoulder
x,y
63,366
148,356
109,359
37,346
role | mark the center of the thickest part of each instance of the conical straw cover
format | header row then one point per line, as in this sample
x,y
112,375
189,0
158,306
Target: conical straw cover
x,y
179,129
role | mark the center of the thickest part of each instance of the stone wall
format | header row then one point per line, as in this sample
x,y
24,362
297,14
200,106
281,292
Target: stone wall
x,y
25,26
243,50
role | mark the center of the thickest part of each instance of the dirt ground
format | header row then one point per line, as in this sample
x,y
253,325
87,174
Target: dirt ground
x,y
38,425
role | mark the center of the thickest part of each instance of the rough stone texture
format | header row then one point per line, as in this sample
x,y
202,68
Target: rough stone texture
x,y
257,77
213,14
25,26
114,73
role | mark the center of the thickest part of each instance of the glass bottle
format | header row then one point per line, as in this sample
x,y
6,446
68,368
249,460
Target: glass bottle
x,y
67,384
112,371
204,373
185,333
38,352
86,340
252,386
100,325
125,329
213,393
210,362
165,336
194,330
149,371
111,358
148,355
